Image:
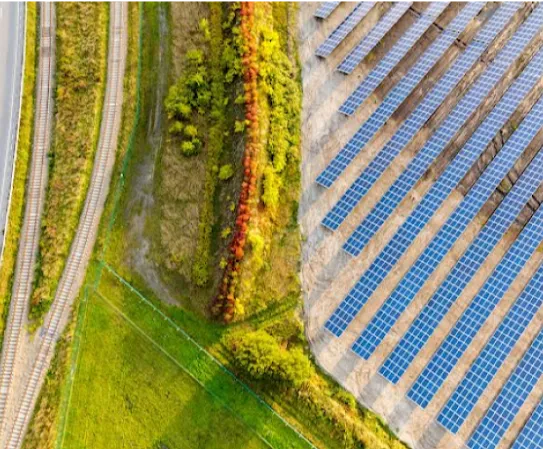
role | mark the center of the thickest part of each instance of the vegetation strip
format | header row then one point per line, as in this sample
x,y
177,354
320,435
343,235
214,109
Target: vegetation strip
x,y
81,69
224,303
29,236
22,164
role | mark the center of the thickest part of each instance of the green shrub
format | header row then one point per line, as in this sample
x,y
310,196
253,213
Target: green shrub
x,y
261,356
190,131
189,97
346,398
272,186
226,172
296,367
188,148
176,128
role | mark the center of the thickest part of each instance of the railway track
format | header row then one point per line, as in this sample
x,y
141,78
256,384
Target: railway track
x,y
30,235
85,237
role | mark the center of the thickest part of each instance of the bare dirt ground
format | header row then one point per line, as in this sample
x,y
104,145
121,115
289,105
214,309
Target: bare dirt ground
x,y
328,273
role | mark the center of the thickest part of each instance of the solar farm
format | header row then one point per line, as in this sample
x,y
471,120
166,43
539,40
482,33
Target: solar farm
x,y
423,231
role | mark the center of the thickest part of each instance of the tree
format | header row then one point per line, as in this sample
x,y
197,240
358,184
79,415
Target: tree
x,y
262,357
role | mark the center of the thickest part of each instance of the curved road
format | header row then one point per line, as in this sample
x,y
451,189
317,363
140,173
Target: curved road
x,y
11,61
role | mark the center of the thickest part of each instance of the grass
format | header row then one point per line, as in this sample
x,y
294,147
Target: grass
x,y
24,150
82,33
142,383
317,410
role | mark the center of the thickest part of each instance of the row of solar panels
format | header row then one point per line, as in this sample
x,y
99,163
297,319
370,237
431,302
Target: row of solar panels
x,y
525,376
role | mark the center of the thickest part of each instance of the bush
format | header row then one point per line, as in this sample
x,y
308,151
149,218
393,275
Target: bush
x,y
188,97
188,148
346,398
176,128
272,186
261,356
226,172
191,131
296,367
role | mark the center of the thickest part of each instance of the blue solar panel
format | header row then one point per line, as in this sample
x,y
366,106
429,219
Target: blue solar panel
x,y
397,52
531,435
505,407
446,237
419,272
475,315
397,95
431,315
374,37
485,367
444,134
417,119
325,9
353,19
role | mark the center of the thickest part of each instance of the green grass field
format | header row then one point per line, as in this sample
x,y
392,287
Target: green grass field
x,y
142,383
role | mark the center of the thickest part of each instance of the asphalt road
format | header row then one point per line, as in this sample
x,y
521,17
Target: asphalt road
x,y
11,67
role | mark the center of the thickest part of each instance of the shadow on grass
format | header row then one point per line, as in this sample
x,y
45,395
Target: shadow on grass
x,y
166,338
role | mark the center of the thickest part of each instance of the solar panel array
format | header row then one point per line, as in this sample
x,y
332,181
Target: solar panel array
x,y
435,310
397,52
325,9
531,436
480,374
337,36
505,407
431,202
397,95
444,134
417,119
431,257
374,36
489,361
480,308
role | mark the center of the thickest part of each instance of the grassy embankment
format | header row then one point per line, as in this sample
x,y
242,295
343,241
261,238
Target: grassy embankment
x,y
24,150
80,82
145,391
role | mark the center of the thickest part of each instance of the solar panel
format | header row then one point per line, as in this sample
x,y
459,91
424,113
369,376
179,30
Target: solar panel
x,y
444,134
335,217
432,201
396,96
494,354
397,52
428,261
325,9
505,407
374,37
475,315
353,19
531,435
434,311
